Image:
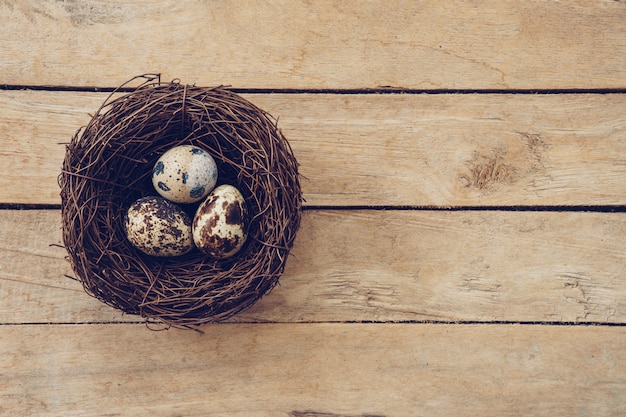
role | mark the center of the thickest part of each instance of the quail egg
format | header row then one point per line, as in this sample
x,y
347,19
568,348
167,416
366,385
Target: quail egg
x,y
219,225
158,227
184,174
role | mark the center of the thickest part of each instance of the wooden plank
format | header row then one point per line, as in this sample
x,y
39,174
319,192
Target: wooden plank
x,y
34,275
313,370
416,150
376,266
487,44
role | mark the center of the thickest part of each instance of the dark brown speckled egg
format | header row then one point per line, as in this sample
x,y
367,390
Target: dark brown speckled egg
x,y
158,227
219,226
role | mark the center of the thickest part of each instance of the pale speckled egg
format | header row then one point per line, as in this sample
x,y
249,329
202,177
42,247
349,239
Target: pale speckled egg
x,y
184,174
158,227
219,225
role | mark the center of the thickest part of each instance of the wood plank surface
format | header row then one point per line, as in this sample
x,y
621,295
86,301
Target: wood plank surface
x,y
375,266
392,149
487,44
313,370
391,304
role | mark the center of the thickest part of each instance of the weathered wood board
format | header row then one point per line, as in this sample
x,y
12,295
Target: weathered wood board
x,y
382,150
324,44
313,370
376,266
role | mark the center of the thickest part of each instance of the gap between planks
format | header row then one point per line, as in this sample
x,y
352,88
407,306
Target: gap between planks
x,y
327,91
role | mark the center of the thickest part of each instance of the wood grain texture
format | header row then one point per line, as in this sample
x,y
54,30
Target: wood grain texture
x,y
415,150
313,370
375,266
487,44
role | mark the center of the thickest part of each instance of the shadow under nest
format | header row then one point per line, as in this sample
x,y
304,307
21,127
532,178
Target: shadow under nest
x,y
108,165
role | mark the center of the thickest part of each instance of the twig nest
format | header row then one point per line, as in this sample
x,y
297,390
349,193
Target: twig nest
x,y
110,164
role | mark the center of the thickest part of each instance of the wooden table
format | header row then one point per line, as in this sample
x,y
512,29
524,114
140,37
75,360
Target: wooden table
x,y
463,245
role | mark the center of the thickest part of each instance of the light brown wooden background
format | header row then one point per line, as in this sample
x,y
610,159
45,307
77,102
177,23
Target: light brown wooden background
x,y
462,250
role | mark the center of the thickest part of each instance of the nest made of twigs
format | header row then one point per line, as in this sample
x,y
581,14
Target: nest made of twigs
x,y
108,165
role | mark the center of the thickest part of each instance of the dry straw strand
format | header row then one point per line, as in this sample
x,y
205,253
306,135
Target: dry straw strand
x,y
108,165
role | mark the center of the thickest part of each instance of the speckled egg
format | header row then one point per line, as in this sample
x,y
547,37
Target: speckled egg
x,y
219,226
184,174
158,227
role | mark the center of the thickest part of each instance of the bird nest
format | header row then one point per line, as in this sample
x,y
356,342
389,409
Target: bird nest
x,y
108,165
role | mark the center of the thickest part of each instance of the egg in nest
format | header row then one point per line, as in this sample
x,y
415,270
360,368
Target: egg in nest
x,y
184,174
219,225
157,227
